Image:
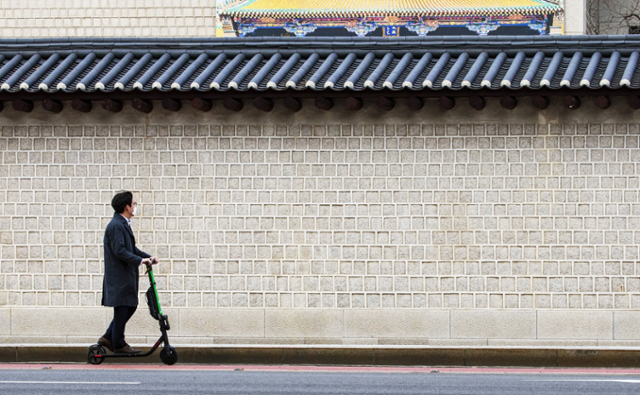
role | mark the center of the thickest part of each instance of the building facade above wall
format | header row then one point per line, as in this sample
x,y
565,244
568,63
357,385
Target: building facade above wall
x,y
107,18
390,18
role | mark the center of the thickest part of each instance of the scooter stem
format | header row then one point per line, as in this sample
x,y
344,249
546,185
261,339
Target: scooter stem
x,y
152,280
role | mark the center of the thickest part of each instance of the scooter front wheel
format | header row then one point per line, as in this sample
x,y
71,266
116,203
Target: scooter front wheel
x,y
95,356
169,355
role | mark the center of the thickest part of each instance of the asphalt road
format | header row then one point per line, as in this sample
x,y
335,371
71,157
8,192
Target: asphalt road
x,y
124,382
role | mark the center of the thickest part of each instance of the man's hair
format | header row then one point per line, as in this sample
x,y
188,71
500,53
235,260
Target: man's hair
x,y
121,200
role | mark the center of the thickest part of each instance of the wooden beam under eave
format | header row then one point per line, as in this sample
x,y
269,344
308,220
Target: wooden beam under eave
x,y
603,102
415,103
634,101
508,102
22,105
571,102
446,103
232,104
324,103
477,102
81,105
263,104
1,106
112,105
385,103
203,105
540,102
354,103
172,105
293,104
142,105
54,106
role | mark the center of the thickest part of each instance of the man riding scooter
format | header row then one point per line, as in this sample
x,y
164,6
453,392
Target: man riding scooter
x,y
121,261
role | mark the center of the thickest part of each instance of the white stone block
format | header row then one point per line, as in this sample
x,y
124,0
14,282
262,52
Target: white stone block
x,y
570,325
396,323
493,324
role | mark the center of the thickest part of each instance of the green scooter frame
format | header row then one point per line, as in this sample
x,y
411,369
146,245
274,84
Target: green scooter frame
x,y
168,355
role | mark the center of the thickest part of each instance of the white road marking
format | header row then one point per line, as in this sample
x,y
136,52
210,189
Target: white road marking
x,y
70,382
598,380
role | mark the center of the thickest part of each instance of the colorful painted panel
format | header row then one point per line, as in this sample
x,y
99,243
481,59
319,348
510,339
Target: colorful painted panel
x,y
390,17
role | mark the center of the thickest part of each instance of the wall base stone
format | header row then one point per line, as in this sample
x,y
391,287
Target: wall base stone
x,y
379,327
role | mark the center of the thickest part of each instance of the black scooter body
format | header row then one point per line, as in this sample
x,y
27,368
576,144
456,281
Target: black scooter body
x,y
168,355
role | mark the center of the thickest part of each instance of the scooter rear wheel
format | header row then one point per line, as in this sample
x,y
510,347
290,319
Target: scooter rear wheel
x,y
169,356
94,350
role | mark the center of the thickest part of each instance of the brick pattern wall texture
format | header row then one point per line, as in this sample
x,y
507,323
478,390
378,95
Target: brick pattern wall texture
x,y
107,18
513,216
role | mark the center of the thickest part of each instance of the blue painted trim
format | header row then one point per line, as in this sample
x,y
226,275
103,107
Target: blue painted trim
x,y
153,70
631,66
191,70
324,68
495,67
400,67
475,69
286,68
111,75
42,69
247,69
533,67
213,66
79,69
437,69
24,69
135,69
422,64
553,66
62,67
95,72
573,66
177,65
342,69
229,68
266,69
592,67
302,71
612,66
457,67
10,65
362,67
514,68
382,67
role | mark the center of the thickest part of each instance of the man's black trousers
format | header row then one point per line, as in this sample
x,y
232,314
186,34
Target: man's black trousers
x,y
115,332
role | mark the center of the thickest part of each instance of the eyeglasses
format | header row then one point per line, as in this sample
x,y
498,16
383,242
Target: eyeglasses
x,y
135,204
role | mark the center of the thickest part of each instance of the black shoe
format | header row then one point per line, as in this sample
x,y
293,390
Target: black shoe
x,y
127,350
106,343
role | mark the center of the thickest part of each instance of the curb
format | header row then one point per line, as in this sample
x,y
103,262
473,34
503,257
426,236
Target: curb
x,y
371,356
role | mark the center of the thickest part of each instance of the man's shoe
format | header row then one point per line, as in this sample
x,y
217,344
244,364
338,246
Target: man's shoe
x,y
104,342
127,350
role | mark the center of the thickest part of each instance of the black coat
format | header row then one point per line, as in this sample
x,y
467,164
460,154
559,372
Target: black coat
x,y
121,261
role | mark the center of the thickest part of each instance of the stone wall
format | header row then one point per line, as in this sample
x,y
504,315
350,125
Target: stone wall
x,y
494,227
107,18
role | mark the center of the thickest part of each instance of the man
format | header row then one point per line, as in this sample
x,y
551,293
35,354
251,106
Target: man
x,y
121,261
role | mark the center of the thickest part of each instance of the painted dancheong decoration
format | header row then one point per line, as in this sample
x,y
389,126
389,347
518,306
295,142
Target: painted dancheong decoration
x,y
388,17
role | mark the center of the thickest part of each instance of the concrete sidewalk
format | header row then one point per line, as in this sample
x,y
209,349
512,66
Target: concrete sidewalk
x,y
346,355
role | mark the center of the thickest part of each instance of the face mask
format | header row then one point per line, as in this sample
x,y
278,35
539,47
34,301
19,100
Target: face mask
x,y
135,211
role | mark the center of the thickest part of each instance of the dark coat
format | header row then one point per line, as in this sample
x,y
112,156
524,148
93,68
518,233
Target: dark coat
x,y
121,261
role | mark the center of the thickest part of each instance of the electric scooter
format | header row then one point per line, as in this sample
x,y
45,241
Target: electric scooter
x,y
168,355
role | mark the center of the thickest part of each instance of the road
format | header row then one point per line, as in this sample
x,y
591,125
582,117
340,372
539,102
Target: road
x,y
141,379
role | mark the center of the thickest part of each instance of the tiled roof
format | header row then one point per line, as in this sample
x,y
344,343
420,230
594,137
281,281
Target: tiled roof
x,y
315,8
277,64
